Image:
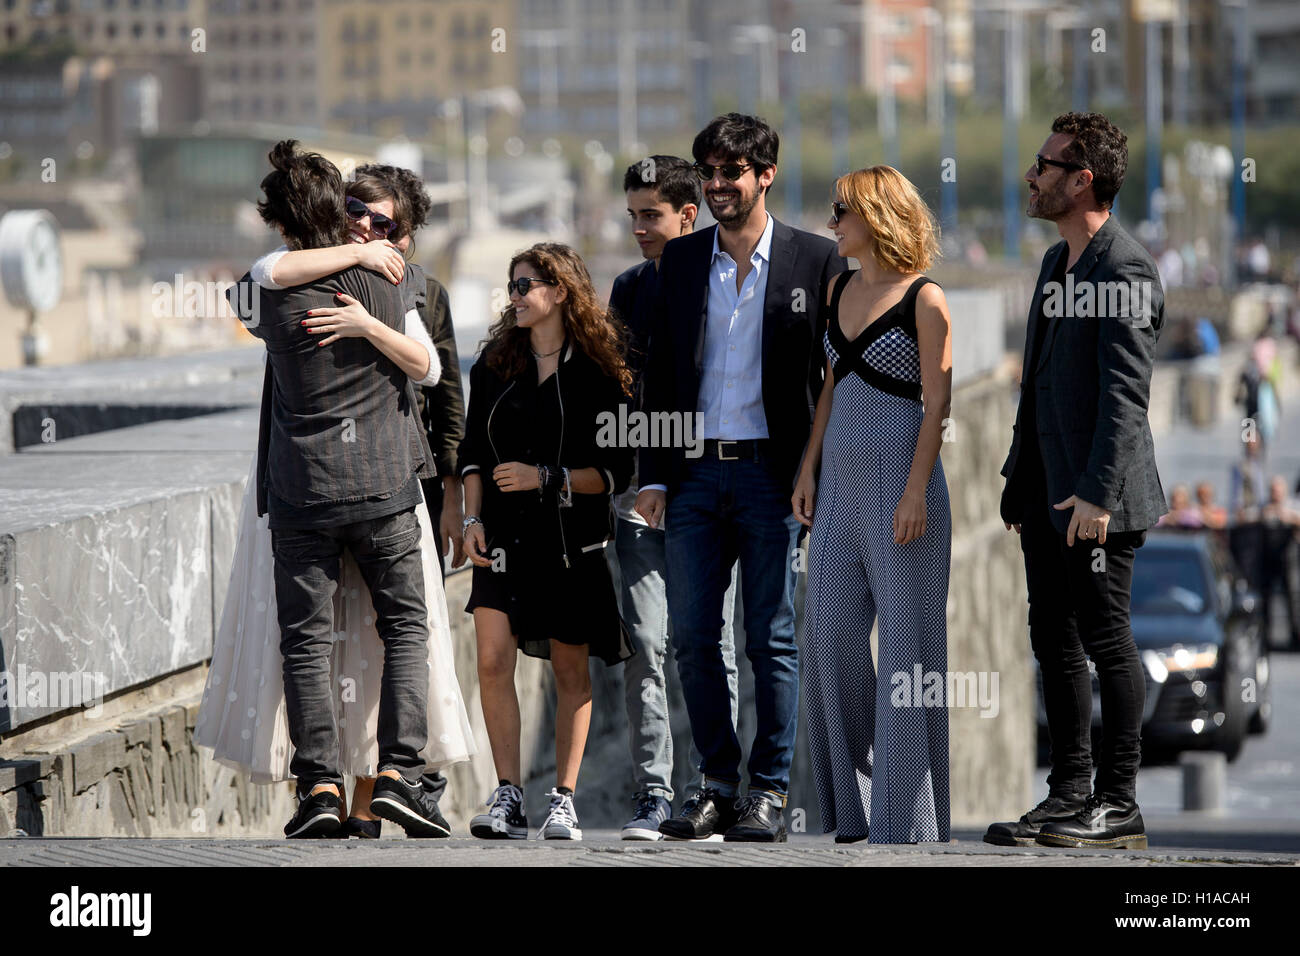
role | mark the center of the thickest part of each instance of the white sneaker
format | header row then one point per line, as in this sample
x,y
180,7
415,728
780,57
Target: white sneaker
x,y
505,818
562,820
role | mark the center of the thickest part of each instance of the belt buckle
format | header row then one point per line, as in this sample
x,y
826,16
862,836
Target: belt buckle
x,y
721,456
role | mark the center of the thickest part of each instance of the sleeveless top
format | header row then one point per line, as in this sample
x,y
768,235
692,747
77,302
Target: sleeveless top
x,y
885,353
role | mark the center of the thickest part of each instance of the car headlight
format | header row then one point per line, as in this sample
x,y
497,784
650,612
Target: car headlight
x,y
1185,659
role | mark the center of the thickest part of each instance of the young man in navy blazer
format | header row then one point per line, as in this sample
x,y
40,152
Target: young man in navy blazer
x,y
736,361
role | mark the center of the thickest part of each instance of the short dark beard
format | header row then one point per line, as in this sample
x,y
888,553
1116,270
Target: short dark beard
x,y
743,209
1052,205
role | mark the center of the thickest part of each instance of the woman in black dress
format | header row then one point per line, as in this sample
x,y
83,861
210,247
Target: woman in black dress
x,y
537,502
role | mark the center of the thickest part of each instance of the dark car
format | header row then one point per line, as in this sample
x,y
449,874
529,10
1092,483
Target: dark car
x,y
1198,631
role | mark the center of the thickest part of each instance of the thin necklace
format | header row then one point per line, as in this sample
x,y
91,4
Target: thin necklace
x,y
540,355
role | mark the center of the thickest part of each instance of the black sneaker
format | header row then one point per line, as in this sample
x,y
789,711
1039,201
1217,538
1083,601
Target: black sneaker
x,y
1103,823
365,829
317,816
1056,808
759,820
413,808
705,816
504,819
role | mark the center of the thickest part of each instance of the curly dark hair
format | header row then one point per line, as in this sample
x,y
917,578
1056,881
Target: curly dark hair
x,y
599,335
411,204
304,198
737,136
1098,146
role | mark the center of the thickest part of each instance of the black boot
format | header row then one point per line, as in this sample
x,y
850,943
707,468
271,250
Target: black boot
x,y
1104,822
1024,832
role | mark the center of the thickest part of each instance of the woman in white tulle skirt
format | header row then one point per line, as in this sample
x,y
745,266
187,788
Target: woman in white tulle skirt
x,y
243,717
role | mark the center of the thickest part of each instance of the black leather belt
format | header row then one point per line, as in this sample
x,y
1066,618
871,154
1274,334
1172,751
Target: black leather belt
x,y
748,449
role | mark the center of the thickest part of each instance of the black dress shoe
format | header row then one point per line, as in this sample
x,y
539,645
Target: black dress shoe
x,y
760,821
704,816
1103,822
845,838
317,816
413,808
1024,832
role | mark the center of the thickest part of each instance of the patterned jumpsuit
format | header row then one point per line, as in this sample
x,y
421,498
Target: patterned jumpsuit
x,y
877,757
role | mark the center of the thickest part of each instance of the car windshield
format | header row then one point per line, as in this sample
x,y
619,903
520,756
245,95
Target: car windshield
x,y
1167,581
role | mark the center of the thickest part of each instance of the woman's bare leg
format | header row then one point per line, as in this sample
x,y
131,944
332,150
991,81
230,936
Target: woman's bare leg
x,y
572,711
497,653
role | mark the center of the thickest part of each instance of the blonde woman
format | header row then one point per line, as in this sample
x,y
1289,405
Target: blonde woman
x,y
880,544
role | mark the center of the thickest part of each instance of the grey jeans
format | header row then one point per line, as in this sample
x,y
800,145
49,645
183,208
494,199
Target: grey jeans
x,y
644,605
387,552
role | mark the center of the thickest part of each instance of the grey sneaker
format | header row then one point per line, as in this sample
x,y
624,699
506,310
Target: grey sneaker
x,y
504,819
562,820
651,810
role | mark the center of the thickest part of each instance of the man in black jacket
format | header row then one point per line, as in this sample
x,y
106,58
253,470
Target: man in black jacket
x,y
442,412
343,461
1082,486
735,366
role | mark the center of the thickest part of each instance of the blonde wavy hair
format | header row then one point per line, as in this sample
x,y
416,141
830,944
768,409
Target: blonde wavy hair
x,y
905,234
598,334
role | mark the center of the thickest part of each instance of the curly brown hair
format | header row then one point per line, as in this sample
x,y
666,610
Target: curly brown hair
x,y
599,335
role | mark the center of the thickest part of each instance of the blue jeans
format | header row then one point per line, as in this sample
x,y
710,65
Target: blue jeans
x,y
644,605
721,512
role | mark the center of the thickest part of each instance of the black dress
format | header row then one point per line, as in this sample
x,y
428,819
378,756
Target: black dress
x,y
549,571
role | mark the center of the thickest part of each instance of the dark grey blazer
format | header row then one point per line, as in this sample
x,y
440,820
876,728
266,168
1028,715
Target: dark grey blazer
x,y
339,423
1092,385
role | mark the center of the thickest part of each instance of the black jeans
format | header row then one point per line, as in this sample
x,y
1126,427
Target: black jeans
x,y
1079,604
387,551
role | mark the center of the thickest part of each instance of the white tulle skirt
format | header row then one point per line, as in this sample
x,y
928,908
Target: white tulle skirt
x,y
243,719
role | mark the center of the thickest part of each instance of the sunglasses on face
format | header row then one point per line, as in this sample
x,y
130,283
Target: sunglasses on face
x,y
732,171
837,209
524,283
1041,163
380,224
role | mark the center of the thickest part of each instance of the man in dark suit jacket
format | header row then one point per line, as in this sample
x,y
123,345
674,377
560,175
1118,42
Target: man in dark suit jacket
x,y
1082,486
735,363
442,413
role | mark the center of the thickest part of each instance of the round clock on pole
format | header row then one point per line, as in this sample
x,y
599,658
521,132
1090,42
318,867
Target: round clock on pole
x,y
31,269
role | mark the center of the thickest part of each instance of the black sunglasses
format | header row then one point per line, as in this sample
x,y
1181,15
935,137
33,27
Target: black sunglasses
x,y
524,283
732,171
380,224
837,209
1041,163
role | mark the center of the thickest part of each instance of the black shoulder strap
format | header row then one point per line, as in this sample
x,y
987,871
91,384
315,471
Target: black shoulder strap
x,y
839,288
908,313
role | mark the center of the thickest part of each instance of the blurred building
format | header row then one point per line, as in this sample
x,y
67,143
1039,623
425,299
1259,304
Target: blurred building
x,y
619,71
392,74
81,78
264,63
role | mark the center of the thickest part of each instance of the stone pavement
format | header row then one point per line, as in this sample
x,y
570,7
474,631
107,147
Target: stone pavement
x,y
603,848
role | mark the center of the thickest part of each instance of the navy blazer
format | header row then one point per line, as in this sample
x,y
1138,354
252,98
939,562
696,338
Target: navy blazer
x,y
793,363
1092,385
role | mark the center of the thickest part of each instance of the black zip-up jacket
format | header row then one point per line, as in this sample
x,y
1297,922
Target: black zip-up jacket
x,y
520,420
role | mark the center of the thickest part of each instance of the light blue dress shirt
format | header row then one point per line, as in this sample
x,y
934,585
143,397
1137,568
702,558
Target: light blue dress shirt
x,y
731,378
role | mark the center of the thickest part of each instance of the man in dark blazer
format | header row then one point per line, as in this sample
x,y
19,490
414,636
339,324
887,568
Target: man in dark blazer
x,y
442,413
736,365
1082,486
